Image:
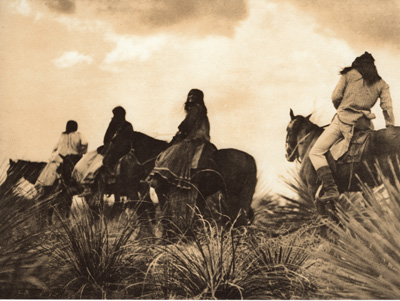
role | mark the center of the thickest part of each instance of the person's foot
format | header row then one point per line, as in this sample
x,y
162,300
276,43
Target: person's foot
x,y
330,195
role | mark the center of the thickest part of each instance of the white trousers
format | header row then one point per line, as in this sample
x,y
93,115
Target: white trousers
x,y
336,131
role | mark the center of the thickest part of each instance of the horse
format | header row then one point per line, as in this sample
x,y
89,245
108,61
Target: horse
x,y
58,196
382,147
64,188
233,174
29,170
129,178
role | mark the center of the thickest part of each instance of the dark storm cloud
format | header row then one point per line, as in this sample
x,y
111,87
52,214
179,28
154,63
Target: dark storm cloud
x,y
64,6
203,17
359,22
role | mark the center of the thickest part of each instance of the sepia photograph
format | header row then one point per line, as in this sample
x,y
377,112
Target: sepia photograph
x,y
200,149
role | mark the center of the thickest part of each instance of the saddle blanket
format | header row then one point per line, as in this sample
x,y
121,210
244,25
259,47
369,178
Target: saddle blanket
x,y
48,175
87,168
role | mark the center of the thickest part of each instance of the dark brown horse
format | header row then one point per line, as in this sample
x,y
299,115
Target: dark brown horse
x,y
231,172
234,174
383,146
128,180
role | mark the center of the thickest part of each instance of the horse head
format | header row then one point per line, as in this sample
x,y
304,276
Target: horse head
x,y
22,169
297,130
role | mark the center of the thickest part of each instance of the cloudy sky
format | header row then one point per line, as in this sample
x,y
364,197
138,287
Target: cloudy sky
x,y
254,60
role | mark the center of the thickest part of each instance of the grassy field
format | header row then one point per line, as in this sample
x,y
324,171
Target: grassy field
x,y
287,253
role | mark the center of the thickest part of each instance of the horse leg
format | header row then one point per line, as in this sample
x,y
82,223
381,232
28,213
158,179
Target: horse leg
x,y
95,200
50,213
65,203
162,191
46,206
118,206
239,197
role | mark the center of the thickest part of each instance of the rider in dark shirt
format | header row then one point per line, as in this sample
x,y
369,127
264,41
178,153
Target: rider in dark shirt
x,y
118,138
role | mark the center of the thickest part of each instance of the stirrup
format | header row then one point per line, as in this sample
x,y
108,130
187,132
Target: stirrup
x,y
323,198
327,198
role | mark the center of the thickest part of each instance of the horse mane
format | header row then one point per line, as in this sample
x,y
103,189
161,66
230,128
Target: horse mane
x,y
30,170
311,126
139,136
26,162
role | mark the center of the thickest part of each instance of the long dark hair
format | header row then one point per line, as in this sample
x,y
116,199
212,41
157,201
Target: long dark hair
x,y
366,66
72,126
198,99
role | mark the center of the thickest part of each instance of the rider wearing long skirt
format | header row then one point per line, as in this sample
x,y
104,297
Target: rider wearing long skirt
x,y
176,162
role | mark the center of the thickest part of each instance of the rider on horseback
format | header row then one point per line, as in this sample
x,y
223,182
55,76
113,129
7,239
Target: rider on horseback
x,y
188,145
356,93
117,139
71,143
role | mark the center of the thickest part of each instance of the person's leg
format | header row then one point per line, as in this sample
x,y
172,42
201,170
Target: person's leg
x,y
317,156
328,137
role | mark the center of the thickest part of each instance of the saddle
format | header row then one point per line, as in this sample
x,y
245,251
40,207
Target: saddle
x,y
358,144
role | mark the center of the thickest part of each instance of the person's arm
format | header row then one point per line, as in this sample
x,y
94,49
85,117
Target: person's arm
x,y
83,145
386,105
128,133
55,148
338,92
188,123
109,133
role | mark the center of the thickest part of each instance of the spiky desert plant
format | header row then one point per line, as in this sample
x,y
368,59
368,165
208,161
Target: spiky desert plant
x,y
210,266
364,263
282,214
280,266
228,264
21,261
90,255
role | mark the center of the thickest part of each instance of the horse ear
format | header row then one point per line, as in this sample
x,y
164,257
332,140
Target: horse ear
x,y
291,114
308,117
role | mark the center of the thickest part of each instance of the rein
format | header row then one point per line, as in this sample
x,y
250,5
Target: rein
x,y
149,160
297,146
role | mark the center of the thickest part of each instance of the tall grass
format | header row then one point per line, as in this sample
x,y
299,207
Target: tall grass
x,y
91,254
21,262
280,215
230,264
364,263
278,258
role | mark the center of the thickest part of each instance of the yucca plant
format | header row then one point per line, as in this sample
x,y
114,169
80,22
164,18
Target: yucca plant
x,y
278,215
21,261
364,261
229,264
280,266
211,266
90,255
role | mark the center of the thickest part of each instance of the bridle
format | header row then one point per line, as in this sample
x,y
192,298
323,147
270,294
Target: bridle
x,y
297,146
